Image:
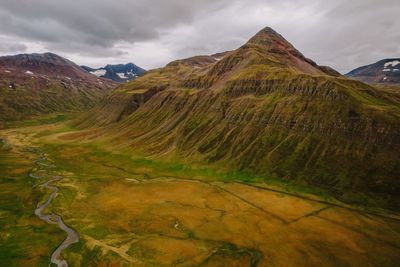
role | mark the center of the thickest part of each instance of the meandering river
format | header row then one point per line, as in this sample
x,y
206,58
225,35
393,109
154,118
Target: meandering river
x,y
52,218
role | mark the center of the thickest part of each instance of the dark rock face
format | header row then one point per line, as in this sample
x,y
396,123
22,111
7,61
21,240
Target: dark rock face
x,y
384,71
118,73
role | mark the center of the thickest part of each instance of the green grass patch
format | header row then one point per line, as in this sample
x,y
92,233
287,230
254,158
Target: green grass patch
x,y
97,166
41,120
25,240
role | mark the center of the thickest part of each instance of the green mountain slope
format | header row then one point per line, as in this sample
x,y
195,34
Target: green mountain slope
x,y
267,110
35,84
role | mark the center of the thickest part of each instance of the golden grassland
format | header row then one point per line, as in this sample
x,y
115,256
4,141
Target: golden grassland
x,y
138,212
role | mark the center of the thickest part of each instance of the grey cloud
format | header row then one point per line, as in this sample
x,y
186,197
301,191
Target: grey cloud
x,y
7,47
356,33
94,27
99,22
342,34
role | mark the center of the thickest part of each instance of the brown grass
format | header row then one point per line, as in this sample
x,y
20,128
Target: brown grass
x,y
138,221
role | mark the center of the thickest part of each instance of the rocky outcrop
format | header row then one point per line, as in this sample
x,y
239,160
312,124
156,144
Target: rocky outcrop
x,y
138,99
198,83
305,86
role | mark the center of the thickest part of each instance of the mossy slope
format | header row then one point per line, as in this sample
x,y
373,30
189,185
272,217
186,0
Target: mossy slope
x,y
266,109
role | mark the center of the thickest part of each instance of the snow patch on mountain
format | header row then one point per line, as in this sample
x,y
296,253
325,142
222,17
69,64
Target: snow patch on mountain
x,y
118,73
392,63
99,72
121,75
383,71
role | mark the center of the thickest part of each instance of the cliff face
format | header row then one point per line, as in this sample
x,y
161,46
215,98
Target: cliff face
x,y
267,110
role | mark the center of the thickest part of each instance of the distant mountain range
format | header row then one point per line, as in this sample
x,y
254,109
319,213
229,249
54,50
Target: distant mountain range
x,y
118,73
34,84
384,71
263,109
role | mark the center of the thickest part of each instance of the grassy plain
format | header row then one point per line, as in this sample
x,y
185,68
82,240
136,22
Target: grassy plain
x,y
24,239
136,211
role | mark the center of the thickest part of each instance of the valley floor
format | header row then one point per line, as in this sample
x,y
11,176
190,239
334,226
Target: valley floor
x,y
138,212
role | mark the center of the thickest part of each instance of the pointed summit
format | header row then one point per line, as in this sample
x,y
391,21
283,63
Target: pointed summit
x,y
268,47
265,35
273,42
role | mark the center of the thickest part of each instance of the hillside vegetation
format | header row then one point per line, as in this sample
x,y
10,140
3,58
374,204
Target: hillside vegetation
x,y
263,109
38,84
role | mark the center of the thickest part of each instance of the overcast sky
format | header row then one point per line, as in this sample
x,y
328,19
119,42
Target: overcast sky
x,y
343,34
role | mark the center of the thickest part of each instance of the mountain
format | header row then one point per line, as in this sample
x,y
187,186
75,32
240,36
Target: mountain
x,y
118,73
384,71
265,110
34,84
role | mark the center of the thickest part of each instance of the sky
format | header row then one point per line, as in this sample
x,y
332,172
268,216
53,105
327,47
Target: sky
x,y
342,34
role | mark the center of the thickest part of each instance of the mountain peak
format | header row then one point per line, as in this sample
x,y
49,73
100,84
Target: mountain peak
x,y
272,41
266,37
383,71
36,61
48,56
270,44
117,72
49,64
267,31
